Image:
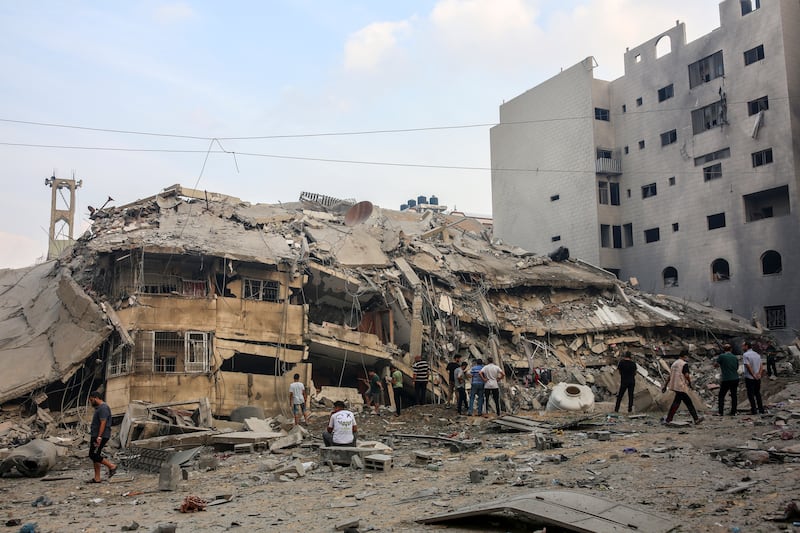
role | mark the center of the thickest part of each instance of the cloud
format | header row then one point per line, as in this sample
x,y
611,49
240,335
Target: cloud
x,y
476,23
371,45
18,251
173,13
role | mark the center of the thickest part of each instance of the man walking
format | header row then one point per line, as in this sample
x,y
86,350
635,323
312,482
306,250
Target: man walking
x,y
342,429
397,388
753,370
476,387
492,374
729,378
680,383
421,371
99,434
297,399
375,390
627,381
461,383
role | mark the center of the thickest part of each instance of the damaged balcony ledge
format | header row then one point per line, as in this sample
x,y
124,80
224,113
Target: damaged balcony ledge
x,y
327,337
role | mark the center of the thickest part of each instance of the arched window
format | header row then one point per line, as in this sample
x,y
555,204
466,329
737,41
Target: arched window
x,y
663,46
720,270
771,263
670,276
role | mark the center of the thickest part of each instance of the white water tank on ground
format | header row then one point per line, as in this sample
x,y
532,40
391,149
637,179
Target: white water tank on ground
x,y
570,397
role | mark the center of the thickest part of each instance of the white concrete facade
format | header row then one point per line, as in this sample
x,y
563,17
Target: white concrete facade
x,y
559,143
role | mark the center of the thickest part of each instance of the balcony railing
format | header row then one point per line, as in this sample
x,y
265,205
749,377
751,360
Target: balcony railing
x,y
608,166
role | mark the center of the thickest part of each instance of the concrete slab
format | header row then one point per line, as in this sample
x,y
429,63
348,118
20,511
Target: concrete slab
x,y
571,510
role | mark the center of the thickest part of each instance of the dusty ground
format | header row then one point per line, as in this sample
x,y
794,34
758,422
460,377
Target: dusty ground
x,y
671,471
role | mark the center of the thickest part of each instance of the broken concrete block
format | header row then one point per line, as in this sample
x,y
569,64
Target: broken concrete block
x,y
757,457
295,467
294,437
347,525
357,462
169,476
256,424
378,461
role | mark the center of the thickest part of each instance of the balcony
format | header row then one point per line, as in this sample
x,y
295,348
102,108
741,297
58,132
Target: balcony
x,y
609,166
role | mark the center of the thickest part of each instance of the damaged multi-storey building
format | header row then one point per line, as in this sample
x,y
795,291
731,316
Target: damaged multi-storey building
x,y
191,294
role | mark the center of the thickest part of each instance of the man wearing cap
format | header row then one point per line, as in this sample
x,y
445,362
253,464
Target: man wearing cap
x,y
342,429
680,383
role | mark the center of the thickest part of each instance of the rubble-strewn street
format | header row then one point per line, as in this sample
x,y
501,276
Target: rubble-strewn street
x,y
729,472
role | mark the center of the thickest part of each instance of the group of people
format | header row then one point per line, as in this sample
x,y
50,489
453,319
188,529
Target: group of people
x,y
680,382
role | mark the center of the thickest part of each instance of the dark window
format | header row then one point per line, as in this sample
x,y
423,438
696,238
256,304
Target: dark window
x,y
716,221
627,230
754,54
759,104
260,289
707,117
712,156
624,108
669,137
601,114
614,189
706,69
626,149
639,101
720,270
602,192
555,238
602,153
649,190
672,181
605,236
771,263
712,172
641,144
764,157
670,276
748,6
554,197
666,93
652,235
675,226
776,316
629,193
767,204
616,234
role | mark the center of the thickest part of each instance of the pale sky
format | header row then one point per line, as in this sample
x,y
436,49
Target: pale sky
x,y
295,68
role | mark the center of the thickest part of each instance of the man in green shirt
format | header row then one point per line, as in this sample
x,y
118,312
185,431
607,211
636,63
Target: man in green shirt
x,y
729,378
397,388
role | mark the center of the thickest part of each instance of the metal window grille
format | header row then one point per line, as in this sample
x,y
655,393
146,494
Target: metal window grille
x,y
776,316
260,289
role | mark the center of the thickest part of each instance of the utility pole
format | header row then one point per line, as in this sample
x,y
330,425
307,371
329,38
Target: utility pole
x,y
62,214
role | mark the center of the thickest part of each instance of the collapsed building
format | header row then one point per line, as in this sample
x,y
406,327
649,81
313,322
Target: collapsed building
x,y
190,294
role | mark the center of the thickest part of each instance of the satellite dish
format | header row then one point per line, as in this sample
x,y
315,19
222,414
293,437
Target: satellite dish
x,y
358,213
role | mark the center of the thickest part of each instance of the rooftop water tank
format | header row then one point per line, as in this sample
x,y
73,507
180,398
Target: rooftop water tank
x,y
434,200
411,202
403,207
422,200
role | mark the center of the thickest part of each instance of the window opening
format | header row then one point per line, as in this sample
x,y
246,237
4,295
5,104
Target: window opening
x,y
706,69
624,108
554,197
669,137
627,230
639,101
663,46
754,54
616,234
712,172
712,156
716,221
748,6
626,150
614,190
605,236
665,93
641,144
767,204
771,263
764,157
708,117
262,289
720,270
652,235
602,153
675,227
602,192
672,181
601,114
759,104
670,277
649,190
776,316
555,238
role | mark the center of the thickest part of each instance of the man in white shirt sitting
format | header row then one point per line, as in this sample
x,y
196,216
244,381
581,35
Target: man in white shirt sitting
x,y
342,428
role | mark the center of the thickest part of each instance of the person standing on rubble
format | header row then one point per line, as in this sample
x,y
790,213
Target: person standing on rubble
x,y
397,388
342,429
99,434
680,382
753,370
772,356
476,387
421,370
297,399
375,390
460,376
492,374
627,380
451,371
729,378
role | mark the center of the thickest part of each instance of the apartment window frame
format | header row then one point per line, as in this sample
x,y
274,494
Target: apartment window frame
x,y
667,92
641,144
669,276
712,172
603,197
757,105
762,157
716,221
555,238
723,153
605,236
775,316
754,55
707,117
748,6
639,102
706,69
720,270
669,137
771,263
675,227
603,114
649,190
652,235
555,197
627,235
613,192
671,181
616,237
264,290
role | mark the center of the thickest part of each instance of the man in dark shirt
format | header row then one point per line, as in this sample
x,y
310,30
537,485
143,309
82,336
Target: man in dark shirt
x,y
627,380
729,378
99,434
451,371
